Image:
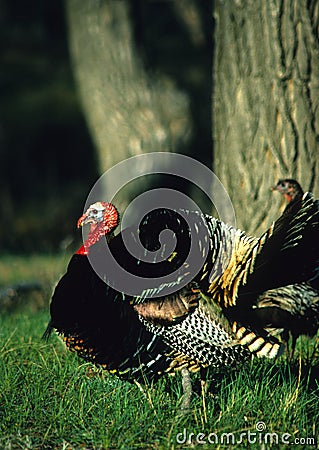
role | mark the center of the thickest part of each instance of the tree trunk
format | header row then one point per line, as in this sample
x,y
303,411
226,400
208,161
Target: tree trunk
x,y
141,77
127,114
265,102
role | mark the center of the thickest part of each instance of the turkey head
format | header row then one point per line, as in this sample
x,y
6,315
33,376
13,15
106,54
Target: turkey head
x,y
289,188
103,218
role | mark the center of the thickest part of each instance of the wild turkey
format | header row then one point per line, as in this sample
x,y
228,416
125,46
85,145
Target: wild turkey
x,y
102,326
290,189
234,271
240,271
292,309
261,269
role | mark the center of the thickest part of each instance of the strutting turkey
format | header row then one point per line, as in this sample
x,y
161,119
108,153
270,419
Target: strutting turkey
x,y
258,287
115,329
242,273
103,326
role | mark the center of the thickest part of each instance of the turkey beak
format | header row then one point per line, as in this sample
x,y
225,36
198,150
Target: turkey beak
x,y
81,220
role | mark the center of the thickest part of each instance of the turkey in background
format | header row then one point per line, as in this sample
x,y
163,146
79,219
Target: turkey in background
x,y
292,310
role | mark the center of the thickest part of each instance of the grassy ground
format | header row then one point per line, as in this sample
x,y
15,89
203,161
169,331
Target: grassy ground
x,y
50,399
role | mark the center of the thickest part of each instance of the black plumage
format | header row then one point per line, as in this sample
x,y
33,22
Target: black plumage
x,y
104,325
211,309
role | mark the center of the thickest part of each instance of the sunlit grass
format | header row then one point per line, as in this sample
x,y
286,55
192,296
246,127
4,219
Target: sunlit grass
x,y
43,268
51,399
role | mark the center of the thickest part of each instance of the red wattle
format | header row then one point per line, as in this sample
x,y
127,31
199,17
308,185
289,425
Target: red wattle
x,y
82,251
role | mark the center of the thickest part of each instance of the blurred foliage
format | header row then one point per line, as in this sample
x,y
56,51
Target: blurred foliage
x,y
47,160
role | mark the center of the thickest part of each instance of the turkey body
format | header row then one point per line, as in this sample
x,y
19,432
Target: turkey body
x,y
189,320
291,310
102,328
101,325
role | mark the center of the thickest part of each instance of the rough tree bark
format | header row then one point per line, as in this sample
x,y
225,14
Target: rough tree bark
x,y
265,89
265,101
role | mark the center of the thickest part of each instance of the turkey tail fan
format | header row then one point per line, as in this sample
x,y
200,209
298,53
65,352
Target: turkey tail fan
x,y
290,252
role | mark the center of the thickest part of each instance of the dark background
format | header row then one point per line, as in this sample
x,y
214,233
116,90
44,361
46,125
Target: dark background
x,y
48,163
47,160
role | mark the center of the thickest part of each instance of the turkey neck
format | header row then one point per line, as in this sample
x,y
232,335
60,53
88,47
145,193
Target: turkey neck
x,y
93,239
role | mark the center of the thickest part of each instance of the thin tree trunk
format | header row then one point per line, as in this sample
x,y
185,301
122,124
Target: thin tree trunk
x,y
265,102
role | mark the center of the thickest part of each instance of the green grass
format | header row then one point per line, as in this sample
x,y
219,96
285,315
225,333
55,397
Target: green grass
x,y
50,399
43,268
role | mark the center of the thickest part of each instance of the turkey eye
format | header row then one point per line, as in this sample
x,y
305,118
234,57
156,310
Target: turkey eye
x,y
94,211
282,184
